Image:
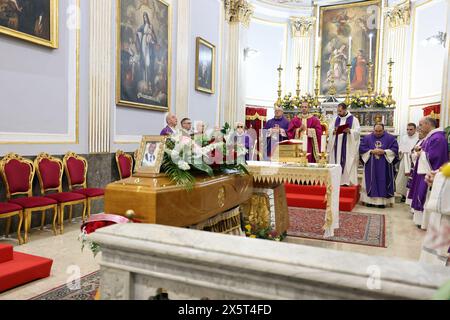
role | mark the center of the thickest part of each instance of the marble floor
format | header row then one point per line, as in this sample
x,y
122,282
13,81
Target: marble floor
x,y
403,239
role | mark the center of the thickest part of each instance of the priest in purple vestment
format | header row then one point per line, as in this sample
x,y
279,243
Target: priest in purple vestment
x,y
275,131
171,127
433,155
311,126
379,152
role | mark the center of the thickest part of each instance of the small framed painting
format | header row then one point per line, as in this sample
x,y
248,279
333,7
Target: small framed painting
x,y
205,69
150,155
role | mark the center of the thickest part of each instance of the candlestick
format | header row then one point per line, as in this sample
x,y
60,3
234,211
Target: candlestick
x,y
316,90
332,90
299,69
318,50
370,46
390,101
370,83
279,101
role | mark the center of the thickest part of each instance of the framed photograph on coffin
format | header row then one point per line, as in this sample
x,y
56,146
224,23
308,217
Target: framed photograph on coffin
x,y
205,69
150,155
349,33
31,20
143,54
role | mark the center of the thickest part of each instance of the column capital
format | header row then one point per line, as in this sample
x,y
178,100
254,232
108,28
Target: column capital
x,y
302,26
238,11
398,15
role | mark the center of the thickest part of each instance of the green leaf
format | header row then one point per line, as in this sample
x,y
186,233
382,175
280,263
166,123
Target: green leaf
x,y
205,168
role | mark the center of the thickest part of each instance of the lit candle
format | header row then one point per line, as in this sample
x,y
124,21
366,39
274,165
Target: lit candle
x,y
370,47
349,50
305,142
323,143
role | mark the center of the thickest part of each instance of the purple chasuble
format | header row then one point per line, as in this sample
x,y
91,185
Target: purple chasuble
x,y
379,173
436,147
283,123
349,122
311,123
167,131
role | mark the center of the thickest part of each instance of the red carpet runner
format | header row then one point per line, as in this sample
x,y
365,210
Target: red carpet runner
x,y
314,197
17,268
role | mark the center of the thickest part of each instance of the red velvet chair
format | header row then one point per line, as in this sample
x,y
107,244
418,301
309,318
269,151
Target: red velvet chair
x,y
76,168
9,210
50,173
124,164
18,174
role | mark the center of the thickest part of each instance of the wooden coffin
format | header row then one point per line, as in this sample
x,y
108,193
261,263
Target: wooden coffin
x,y
158,200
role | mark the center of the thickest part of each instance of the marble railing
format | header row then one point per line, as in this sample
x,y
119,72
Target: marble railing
x,y
139,259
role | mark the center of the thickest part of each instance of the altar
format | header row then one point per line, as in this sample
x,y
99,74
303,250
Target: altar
x,y
272,176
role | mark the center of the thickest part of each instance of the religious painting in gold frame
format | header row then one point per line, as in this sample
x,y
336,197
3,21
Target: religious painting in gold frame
x,y
35,21
361,21
143,56
205,68
150,155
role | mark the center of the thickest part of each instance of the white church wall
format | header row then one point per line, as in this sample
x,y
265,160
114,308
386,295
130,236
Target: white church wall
x,y
427,61
40,108
270,39
207,23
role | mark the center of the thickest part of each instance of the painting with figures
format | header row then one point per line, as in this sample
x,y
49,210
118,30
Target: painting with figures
x,y
205,68
349,36
143,54
31,20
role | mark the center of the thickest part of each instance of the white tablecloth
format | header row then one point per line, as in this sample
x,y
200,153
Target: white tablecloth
x,y
330,176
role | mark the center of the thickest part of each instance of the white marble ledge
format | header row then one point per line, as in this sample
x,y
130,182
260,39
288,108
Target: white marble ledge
x,y
351,270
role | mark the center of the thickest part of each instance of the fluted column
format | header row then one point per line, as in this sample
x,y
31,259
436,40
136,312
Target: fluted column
x,y
301,31
100,74
397,20
182,68
237,14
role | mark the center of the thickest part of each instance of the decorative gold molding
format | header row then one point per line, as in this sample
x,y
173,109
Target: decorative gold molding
x,y
399,15
238,11
302,26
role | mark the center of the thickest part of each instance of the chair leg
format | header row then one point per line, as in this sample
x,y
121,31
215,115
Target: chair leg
x,y
19,236
8,226
70,213
84,210
55,216
88,208
42,219
26,214
61,218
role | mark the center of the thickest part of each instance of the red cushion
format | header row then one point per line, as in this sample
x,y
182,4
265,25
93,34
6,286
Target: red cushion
x,y
125,166
76,171
65,196
33,202
18,176
9,207
91,192
23,268
50,173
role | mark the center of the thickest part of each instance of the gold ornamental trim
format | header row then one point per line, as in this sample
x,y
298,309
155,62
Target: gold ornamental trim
x,y
399,15
256,116
302,26
238,11
293,173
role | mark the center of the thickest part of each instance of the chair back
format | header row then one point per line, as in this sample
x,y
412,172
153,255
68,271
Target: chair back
x,y
17,173
49,171
124,164
76,168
